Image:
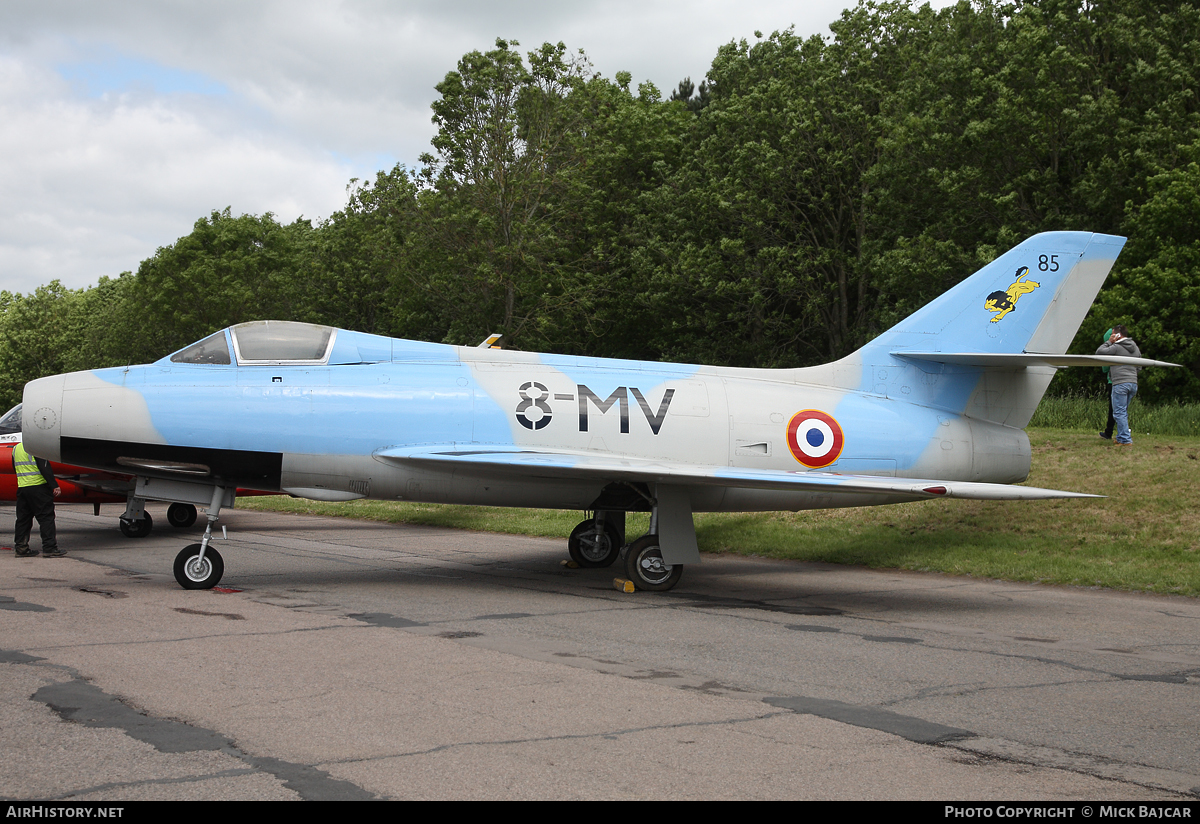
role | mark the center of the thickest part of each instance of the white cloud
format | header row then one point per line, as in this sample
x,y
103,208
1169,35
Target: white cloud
x,y
91,187
291,98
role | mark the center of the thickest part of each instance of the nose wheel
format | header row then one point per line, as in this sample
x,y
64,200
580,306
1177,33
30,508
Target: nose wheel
x,y
194,571
199,566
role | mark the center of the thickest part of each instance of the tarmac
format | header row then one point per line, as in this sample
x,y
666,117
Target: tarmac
x,y
347,660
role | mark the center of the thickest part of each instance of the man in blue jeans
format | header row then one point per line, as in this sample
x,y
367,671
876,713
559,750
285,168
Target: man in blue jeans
x,y
1124,379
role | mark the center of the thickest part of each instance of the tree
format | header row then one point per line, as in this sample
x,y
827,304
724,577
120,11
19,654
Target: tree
x,y
228,270
36,337
763,231
502,149
358,267
1155,291
685,91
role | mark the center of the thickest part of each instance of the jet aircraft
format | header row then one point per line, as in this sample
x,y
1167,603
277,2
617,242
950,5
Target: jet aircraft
x,y
933,408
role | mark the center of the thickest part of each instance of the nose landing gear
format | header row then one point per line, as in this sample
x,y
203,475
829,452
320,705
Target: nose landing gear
x,y
199,566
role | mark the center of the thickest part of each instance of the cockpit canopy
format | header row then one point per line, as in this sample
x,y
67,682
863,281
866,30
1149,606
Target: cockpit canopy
x,y
263,342
212,349
11,422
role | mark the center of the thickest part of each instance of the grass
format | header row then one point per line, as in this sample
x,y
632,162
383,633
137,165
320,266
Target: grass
x,y
1142,537
1090,414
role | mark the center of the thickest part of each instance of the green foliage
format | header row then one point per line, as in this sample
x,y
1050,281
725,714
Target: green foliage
x,y
1156,292
504,149
228,270
36,336
753,258
360,268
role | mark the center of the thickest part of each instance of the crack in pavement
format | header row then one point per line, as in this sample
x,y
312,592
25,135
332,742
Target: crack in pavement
x,y
611,735
150,782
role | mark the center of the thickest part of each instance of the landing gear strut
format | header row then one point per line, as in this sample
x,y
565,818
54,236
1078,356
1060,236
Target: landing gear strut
x,y
199,566
135,522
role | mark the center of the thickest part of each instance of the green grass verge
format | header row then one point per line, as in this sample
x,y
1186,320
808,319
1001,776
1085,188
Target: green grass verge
x,y
1090,415
1142,537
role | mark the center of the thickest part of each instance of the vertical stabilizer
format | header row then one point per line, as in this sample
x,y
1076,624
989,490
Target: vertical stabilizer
x,y
1032,299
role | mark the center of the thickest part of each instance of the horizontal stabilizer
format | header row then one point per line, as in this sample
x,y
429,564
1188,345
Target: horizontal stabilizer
x,y
532,463
990,359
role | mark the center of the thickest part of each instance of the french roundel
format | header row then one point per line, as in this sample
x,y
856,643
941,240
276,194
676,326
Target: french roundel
x,y
815,438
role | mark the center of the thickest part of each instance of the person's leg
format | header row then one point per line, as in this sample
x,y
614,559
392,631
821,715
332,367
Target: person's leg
x,y
43,507
1111,422
1122,393
23,526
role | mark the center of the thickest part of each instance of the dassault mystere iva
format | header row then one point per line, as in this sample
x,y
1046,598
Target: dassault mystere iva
x,y
934,407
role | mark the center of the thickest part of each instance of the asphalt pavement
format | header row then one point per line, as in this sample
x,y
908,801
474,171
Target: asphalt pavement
x,y
344,660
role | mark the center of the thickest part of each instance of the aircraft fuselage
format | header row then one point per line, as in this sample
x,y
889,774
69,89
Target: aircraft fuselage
x,y
317,428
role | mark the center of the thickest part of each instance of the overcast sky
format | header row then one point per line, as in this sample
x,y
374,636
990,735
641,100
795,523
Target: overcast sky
x,y
122,123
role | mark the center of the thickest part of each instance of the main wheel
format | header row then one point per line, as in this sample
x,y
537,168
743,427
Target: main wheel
x,y
137,529
193,573
181,515
644,566
594,548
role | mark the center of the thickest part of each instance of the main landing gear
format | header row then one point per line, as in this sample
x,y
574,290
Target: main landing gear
x,y
199,566
181,516
597,541
644,566
138,528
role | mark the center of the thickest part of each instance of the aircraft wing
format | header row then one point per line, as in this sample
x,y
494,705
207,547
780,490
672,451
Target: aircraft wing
x,y
535,463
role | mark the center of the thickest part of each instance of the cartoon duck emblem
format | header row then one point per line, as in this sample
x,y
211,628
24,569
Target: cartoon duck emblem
x,y
1004,302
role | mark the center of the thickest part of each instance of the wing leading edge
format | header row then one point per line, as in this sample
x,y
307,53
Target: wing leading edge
x,y
534,463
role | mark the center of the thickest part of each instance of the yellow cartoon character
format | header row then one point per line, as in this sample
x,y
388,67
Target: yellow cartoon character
x,y
1004,302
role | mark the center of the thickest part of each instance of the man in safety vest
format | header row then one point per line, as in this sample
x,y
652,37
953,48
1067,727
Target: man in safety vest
x,y
36,490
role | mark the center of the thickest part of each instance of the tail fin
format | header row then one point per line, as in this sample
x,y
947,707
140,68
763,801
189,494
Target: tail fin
x,y
979,345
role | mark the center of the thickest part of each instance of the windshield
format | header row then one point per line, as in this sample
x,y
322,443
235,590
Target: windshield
x,y
212,349
277,341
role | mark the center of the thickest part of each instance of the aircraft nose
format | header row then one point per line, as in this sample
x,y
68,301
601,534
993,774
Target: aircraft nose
x,y
41,417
